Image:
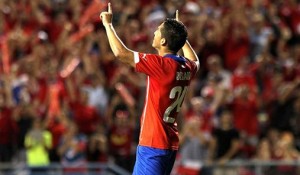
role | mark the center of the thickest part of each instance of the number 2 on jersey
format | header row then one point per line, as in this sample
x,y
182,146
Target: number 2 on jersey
x,y
177,93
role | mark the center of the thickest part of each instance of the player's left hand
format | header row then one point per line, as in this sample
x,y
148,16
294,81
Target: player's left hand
x,y
106,17
177,15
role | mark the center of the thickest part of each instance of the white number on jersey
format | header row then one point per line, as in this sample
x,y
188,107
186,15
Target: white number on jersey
x,y
179,93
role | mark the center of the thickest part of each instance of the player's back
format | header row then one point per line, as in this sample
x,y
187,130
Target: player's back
x,y
167,86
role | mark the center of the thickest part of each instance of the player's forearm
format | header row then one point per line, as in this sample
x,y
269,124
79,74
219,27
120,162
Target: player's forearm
x,y
189,52
115,42
116,45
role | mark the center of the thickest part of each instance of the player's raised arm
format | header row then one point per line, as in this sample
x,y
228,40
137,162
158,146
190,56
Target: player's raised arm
x,y
188,51
117,46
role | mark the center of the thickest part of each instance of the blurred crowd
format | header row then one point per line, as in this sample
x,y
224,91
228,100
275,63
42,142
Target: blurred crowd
x,y
64,98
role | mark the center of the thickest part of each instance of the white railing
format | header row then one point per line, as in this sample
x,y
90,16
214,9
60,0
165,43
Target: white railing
x,y
242,167
239,167
59,169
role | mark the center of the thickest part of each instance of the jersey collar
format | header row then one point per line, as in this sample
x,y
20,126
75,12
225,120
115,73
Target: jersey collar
x,y
177,58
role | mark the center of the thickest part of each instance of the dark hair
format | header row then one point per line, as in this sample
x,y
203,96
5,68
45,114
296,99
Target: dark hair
x,y
175,34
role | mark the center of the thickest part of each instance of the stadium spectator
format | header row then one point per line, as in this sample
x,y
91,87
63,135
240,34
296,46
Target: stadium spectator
x,y
24,116
84,115
224,144
285,150
280,117
199,108
97,93
57,127
264,153
216,69
38,142
8,125
97,150
259,35
244,107
194,147
72,150
121,125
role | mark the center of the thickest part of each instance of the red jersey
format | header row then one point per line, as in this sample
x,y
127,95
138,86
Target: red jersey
x,y
120,140
167,83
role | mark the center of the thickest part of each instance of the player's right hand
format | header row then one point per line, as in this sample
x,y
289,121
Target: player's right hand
x,y
106,17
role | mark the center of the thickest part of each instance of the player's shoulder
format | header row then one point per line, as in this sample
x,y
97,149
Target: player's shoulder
x,y
146,58
149,55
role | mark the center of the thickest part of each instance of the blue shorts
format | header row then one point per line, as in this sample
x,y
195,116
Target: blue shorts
x,y
152,161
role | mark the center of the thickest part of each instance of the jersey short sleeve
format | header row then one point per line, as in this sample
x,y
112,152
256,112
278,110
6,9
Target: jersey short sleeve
x,y
150,64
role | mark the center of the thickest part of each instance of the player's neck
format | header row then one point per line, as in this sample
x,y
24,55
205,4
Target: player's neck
x,y
165,52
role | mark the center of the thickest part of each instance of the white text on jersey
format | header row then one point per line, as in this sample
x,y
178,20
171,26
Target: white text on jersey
x,y
183,75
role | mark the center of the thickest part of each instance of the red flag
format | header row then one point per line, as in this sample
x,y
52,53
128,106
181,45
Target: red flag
x,y
92,11
5,56
81,33
70,68
125,94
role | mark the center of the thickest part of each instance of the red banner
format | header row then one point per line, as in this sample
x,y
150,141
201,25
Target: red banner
x,y
92,11
5,56
81,33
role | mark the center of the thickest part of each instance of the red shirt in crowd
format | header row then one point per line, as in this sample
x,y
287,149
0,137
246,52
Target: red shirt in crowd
x,y
245,115
206,116
57,130
86,117
244,78
8,127
120,140
236,47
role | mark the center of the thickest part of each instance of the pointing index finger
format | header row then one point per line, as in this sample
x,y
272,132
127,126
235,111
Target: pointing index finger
x,y
177,15
109,8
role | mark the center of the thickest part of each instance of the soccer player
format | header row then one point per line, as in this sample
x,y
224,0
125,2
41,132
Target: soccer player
x,y
168,78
